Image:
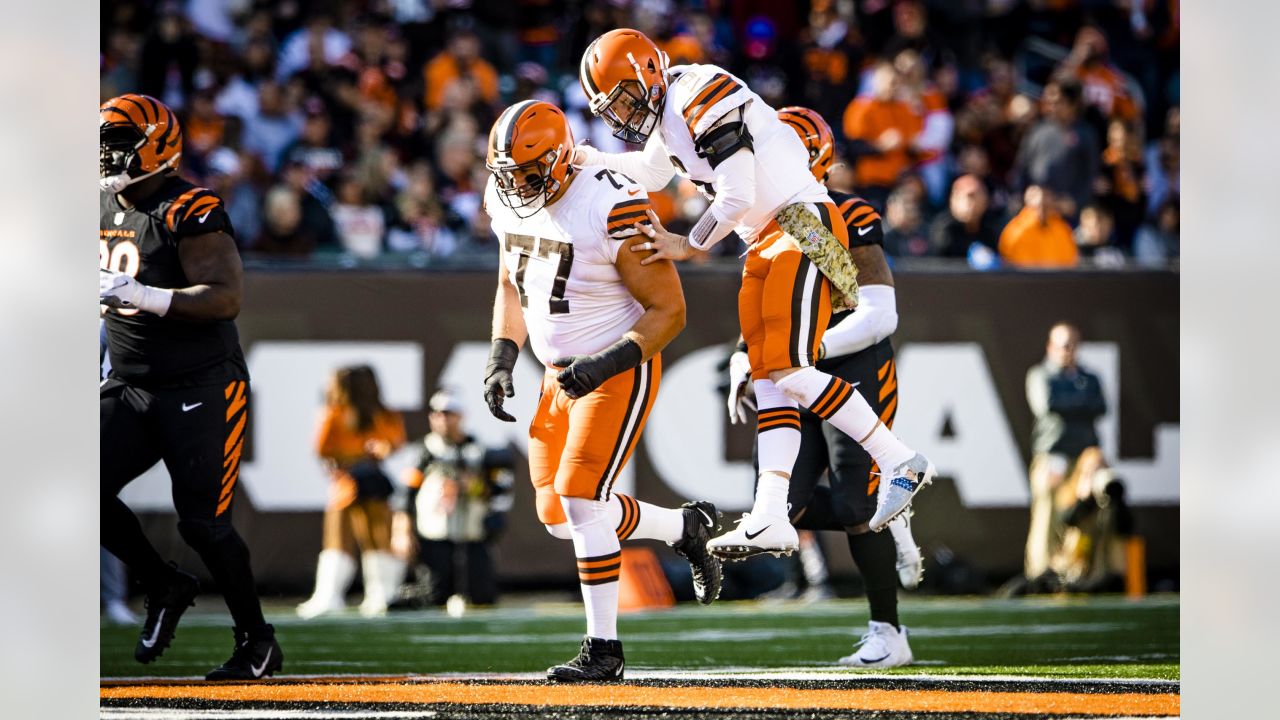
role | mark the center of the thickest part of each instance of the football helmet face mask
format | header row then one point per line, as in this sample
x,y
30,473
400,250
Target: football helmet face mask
x,y
624,76
137,137
529,150
816,135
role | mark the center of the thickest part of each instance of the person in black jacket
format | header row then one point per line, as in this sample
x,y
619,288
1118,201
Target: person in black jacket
x,y
1067,401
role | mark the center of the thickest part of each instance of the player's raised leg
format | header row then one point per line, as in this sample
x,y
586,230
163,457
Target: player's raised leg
x,y
125,453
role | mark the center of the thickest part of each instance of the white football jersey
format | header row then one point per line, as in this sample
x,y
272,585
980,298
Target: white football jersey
x,y
561,261
698,96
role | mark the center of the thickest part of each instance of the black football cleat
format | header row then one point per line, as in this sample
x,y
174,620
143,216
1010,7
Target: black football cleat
x,y
254,658
599,660
700,522
164,609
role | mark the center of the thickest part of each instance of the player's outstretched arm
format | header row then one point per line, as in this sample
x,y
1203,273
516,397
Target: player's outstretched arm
x,y
212,263
509,333
650,167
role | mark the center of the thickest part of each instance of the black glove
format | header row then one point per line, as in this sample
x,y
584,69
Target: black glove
x,y
497,377
584,373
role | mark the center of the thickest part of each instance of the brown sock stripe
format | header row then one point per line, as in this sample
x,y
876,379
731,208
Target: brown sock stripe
x,y
630,517
598,559
766,424
602,571
599,581
779,426
773,413
825,396
834,406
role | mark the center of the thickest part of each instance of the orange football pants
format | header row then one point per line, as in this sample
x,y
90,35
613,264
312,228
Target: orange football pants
x,y
784,304
578,447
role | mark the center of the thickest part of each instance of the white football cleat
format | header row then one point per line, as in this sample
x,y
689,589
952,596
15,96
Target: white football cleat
x,y
756,534
897,490
884,646
910,561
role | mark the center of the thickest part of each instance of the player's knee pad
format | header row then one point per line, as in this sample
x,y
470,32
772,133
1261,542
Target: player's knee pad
x,y
559,530
802,386
584,512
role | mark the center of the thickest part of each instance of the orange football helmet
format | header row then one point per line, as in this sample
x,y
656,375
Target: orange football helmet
x,y
530,146
138,136
624,76
816,135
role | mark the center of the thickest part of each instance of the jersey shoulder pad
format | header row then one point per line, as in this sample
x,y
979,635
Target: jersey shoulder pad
x,y
861,218
704,95
196,211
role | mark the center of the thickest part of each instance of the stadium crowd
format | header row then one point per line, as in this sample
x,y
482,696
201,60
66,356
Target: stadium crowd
x,y
1003,132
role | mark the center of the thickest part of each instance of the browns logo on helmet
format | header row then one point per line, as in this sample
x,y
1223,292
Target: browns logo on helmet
x,y
816,135
138,136
624,76
530,146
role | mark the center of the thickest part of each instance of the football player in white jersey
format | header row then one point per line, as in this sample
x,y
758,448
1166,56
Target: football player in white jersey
x,y
597,319
707,125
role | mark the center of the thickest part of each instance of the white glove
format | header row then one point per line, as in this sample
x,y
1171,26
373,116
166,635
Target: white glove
x,y
118,290
739,377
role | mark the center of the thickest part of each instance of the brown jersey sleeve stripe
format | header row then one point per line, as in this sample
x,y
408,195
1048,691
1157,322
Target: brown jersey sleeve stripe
x,y
721,94
717,82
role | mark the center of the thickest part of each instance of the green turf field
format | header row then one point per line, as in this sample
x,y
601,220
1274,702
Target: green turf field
x,y
1083,637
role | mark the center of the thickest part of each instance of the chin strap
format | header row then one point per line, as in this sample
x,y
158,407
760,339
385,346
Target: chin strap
x,y
117,183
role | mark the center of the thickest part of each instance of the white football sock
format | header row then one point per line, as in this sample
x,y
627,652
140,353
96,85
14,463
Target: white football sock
x,y
599,563
642,521
777,429
837,402
771,494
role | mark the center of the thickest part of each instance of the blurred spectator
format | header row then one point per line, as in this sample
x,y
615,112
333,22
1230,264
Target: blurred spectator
x,y
1038,237
881,130
460,61
1119,185
1162,162
228,177
904,234
239,95
314,149
359,223
830,60
169,57
966,221
1095,238
272,128
1102,83
1061,152
1067,401
204,129
422,222
318,39
459,496
937,126
1158,244
357,432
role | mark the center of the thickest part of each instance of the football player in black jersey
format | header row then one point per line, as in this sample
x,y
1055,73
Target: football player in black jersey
x,y
178,392
856,348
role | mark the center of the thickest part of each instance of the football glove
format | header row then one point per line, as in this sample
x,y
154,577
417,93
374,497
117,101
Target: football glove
x,y
118,290
739,381
584,373
497,377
